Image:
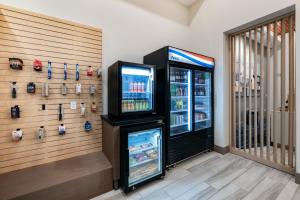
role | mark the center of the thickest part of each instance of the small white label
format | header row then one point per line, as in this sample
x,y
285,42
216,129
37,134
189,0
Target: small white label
x,y
73,105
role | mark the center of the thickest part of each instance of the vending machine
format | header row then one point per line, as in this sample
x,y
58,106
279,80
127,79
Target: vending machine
x,y
131,89
185,99
142,154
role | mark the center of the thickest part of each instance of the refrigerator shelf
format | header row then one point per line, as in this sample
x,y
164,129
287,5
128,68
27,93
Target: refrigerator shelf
x,y
178,97
139,175
178,125
179,83
142,162
142,150
202,96
202,120
202,108
178,111
201,84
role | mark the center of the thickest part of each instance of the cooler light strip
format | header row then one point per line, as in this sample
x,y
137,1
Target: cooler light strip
x,y
189,101
186,57
135,71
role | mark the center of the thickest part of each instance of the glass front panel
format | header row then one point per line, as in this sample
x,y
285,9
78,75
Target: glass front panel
x,y
202,93
145,155
180,90
137,89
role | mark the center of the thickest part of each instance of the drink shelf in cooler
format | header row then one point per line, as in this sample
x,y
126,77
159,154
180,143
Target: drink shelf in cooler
x,y
199,96
178,125
178,111
202,108
179,83
202,84
202,120
178,97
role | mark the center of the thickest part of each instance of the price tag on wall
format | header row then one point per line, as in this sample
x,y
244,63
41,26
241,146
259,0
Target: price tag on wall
x,y
73,105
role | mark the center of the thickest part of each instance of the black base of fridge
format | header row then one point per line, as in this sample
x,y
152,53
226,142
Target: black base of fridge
x,y
142,154
181,148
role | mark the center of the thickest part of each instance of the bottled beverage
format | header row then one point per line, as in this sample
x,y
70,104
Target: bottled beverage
x,y
134,87
131,86
185,77
143,87
136,105
132,105
180,76
139,87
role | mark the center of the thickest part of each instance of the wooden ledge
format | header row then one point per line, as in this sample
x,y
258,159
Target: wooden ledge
x,y
81,177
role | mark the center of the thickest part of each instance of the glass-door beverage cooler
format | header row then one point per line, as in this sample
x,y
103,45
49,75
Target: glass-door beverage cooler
x,y
185,99
131,89
142,155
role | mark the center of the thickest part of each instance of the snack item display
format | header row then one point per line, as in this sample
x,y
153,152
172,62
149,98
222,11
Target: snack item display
x,y
14,90
17,135
89,71
16,63
37,65
41,133
30,87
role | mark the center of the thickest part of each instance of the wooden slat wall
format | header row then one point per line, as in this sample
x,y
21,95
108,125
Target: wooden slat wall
x,y
30,36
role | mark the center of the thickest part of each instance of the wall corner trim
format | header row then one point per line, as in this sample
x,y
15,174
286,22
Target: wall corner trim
x,y
225,150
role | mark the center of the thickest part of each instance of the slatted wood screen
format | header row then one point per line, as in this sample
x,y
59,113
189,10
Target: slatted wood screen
x,y
30,36
262,61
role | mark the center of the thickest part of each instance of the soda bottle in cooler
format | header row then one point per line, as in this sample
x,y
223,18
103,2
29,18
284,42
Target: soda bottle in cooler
x,y
138,87
131,86
134,87
143,87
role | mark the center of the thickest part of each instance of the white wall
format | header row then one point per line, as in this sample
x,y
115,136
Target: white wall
x,y
129,32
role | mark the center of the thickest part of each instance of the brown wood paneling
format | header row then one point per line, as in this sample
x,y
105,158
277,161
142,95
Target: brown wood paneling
x,y
30,36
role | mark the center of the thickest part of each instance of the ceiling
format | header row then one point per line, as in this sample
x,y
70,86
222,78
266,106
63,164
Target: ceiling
x,y
187,3
182,11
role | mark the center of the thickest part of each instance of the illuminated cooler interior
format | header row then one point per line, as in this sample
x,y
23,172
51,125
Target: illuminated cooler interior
x,y
145,150
202,94
137,89
180,90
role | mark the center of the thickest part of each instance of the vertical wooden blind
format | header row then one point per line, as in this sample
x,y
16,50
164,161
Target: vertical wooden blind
x,y
262,61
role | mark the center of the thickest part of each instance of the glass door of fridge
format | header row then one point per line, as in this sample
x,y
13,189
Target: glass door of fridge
x,y
202,95
145,155
137,89
180,108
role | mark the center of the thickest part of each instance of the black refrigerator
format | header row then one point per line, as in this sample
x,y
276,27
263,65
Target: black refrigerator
x,y
131,89
185,99
132,111
142,154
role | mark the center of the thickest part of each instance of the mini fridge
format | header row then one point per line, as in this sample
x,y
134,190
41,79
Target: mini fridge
x,y
131,89
142,155
185,99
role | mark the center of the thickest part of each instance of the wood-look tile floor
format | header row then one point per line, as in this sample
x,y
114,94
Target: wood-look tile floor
x,y
214,176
